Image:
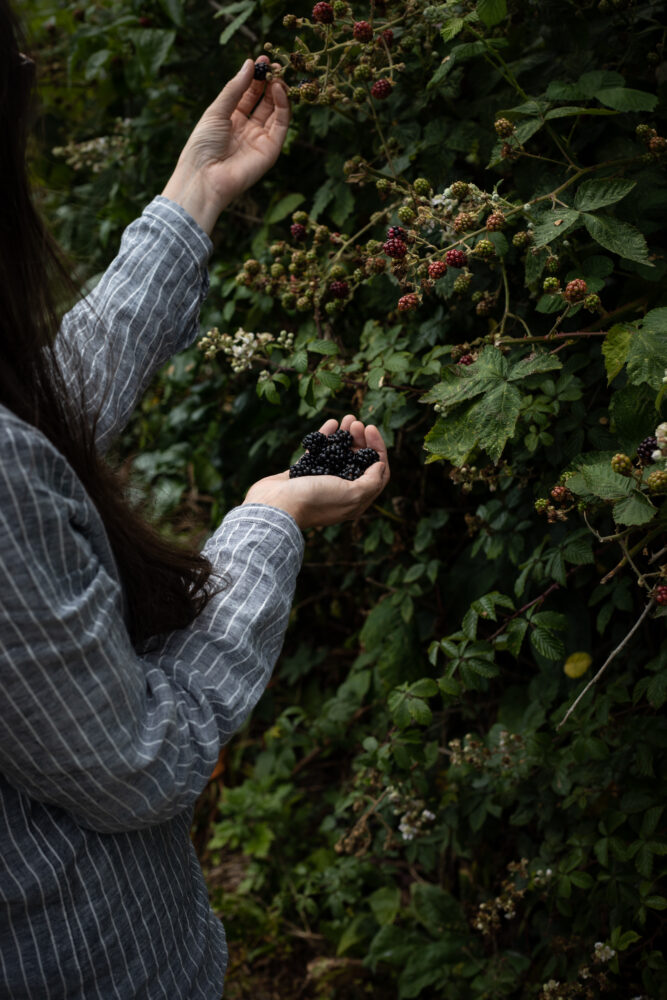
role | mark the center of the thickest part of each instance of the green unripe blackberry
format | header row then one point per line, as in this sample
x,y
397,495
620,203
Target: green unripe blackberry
x,y
422,187
309,92
278,249
592,303
645,133
337,271
657,481
362,72
288,300
462,283
622,464
303,303
552,265
406,214
382,185
277,270
551,286
477,296
299,262
541,505
290,21
484,249
321,234
301,218
459,190
359,95
522,239
373,246
252,266
340,8
504,128
463,221
330,308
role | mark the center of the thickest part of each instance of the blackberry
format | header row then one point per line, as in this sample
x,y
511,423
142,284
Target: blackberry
x,y
261,69
298,231
575,290
621,464
339,289
657,481
397,233
645,450
366,457
437,268
456,258
660,594
323,13
504,128
408,302
395,248
362,31
341,437
381,89
315,442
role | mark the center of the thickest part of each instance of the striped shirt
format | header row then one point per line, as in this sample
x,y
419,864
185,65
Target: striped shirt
x,y
104,748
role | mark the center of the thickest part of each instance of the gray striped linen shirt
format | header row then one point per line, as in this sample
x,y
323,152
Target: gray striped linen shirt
x,y
104,748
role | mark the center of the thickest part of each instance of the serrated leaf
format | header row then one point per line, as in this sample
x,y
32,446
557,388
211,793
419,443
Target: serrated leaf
x,y
234,25
600,480
374,377
626,99
283,207
540,362
619,237
322,347
547,644
515,632
452,28
615,349
451,437
495,417
467,382
385,904
491,11
469,623
598,193
632,410
425,687
299,361
634,509
152,46
553,225
647,354
569,111
419,711
332,380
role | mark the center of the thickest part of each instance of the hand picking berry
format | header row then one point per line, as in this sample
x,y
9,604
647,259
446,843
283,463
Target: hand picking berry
x,y
332,455
261,69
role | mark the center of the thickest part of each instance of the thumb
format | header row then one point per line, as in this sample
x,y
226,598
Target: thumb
x,y
374,477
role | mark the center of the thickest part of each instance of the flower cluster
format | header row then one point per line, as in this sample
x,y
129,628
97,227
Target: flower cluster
x,y
602,952
468,475
243,348
513,888
99,153
414,815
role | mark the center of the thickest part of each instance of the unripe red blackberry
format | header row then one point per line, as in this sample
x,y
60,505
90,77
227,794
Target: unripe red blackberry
x,y
455,258
657,145
646,448
463,221
375,265
551,286
485,305
385,37
323,13
495,222
339,289
290,21
522,239
362,31
381,89
504,128
575,290
621,464
660,594
657,481
436,269
422,187
561,494
298,231
552,265
508,152
407,302
465,360
459,190
395,248
592,303
397,233
484,249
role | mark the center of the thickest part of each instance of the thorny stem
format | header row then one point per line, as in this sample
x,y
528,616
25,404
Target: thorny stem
x,y
606,538
612,656
636,548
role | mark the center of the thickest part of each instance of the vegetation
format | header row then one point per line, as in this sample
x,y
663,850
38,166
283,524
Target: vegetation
x,y
433,799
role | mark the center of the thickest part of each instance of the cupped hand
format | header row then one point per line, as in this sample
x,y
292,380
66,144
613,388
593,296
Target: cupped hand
x,y
316,501
237,139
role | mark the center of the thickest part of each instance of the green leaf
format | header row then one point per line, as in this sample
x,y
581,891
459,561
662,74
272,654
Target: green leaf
x,y
634,509
152,46
598,193
491,11
419,711
234,25
424,688
626,99
534,364
452,28
464,383
322,347
619,237
615,349
385,904
495,417
174,10
355,931
299,361
547,644
284,207
632,410
647,355
553,225
452,437
332,380
569,111
598,479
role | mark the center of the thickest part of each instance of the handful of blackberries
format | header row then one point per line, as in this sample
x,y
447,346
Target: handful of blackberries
x,y
332,455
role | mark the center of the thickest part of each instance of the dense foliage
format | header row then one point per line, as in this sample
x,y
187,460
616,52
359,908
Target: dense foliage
x,y
414,811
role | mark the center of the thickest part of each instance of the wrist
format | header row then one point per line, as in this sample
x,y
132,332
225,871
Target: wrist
x,y
187,188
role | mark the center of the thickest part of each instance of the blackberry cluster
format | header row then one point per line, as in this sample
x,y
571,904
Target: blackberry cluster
x,y
645,450
332,455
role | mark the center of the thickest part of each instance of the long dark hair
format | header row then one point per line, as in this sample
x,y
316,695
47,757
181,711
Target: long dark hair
x,y
166,586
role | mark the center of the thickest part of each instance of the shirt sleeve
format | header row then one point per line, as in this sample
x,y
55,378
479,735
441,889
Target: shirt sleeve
x,y
143,310
123,740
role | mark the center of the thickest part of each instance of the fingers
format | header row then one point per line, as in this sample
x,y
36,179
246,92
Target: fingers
x,y
375,440
329,426
229,97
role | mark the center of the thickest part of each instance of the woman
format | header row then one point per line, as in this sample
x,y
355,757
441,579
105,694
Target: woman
x,y
125,663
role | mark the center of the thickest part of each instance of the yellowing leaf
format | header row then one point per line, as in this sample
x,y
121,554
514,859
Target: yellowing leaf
x,y
577,664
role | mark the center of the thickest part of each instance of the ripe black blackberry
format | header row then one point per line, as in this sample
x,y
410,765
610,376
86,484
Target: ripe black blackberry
x,y
332,455
261,69
645,450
